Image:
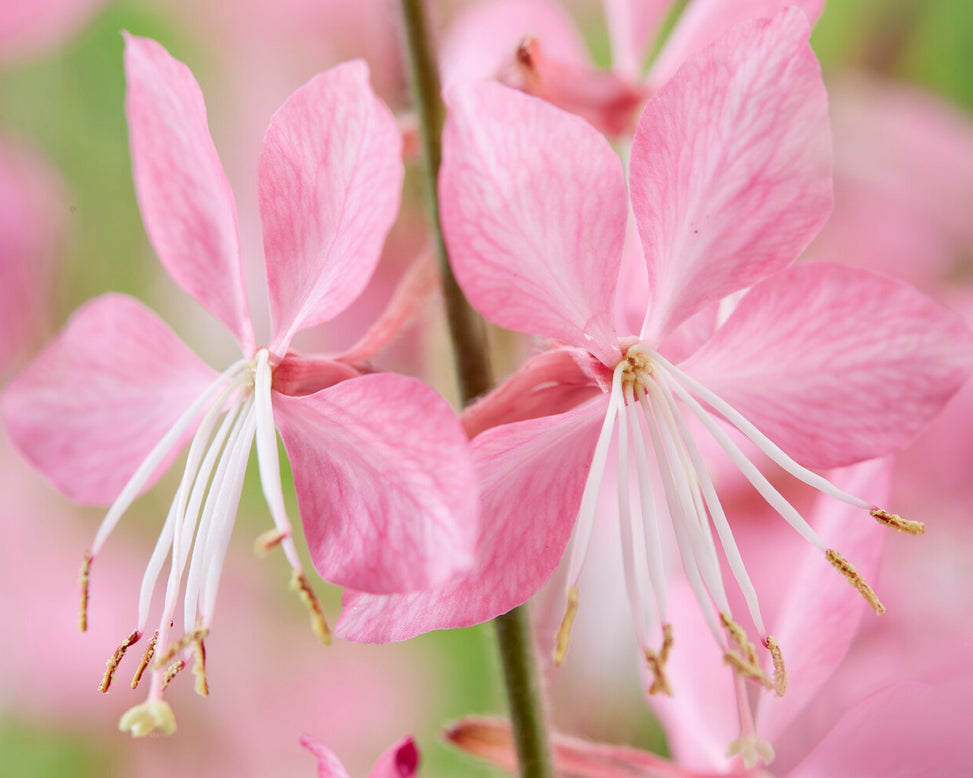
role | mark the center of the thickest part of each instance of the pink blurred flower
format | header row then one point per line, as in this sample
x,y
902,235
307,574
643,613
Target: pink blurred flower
x,y
107,405
400,761
29,28
730,180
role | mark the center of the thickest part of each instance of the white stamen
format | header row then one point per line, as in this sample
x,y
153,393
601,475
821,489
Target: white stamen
x,y
633,585
765,444
157,454
589,499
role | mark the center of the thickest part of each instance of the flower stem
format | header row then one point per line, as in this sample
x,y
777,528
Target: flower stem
x,y
475,378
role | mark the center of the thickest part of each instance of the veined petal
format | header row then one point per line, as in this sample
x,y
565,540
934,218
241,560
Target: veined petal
x,y
533,210
94,403
704,21
731,168
330,181
482,41
532,474
384,482
185,198
836,364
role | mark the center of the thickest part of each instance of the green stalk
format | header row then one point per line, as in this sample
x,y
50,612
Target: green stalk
x,y
475,377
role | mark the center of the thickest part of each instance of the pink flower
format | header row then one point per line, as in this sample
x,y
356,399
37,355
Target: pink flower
x,y
383,481
730,180
400,761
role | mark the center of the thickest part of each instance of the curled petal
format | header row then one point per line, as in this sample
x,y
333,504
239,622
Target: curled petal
x,y
532,475
329,766
330,182
533,210
185,198
94,403
836,364
731,168
384,482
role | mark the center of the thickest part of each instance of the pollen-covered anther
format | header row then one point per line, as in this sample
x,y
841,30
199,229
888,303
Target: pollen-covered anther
x,y
171,672
657,663
83,577
267,540
637,367
896,522
780,672
180,645
564,632
743,662
845,567
199,668
115,659
319,626
146,659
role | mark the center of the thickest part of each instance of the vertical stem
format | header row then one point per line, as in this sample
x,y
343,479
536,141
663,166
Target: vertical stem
x,y
475,377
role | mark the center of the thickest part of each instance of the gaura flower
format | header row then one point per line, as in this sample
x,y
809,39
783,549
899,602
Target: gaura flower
x,y
384,484
400,761
730,180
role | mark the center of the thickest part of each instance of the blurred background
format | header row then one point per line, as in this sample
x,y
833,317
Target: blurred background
x,y
901,80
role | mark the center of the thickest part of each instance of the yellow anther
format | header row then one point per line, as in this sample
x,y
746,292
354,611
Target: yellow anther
x,y
564,633
199,668
83,578
113,661
307,596
267,540
780,672
845,567
657,663
171,672
146,658
895,521
745,662
180,645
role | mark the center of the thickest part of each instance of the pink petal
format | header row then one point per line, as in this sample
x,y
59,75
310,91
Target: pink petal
x,y
94,403
186,202
705,21
631,25
905,730
533,209
836,364
330,182
819,615
400,761
532,475
482,41
329,766
731,168
384,482
28,29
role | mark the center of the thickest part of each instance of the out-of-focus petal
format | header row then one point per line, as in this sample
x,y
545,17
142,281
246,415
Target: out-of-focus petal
x,y
836,364
330,183
94,403
731,168
905,730
482,41
533,209
532,475
185,198
400,761
631,25
704,21
27,29
384,482
329,766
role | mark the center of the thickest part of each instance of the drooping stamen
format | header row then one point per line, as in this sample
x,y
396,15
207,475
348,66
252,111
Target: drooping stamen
x,y
146,659
657,663
895,521
112,664
744,661
199,668
844,567
267,540
182,644
780,672
171,672
83,578
564,632
319,626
